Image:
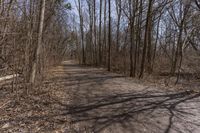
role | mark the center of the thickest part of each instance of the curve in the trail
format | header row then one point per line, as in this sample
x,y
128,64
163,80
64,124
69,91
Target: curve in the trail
x,y
111,103
81,99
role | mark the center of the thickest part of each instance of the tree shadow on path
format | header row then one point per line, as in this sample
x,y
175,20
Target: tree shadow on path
x,y
91,100
139,112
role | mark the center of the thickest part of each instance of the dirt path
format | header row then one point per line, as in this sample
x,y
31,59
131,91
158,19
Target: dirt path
x,y
91,100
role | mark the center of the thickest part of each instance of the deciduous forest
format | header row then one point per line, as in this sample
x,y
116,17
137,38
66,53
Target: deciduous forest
x,y
99,66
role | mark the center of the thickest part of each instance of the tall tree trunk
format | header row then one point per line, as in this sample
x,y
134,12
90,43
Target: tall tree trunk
x,y
100,44
90,30
183,11
109,36
95,33
139,31
156,42
132,38
39,43
177,53
147,28
82,32
105,32
136,36
149,47
30,43
119,11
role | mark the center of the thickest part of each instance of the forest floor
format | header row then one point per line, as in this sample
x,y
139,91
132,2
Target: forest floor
x,y
80,99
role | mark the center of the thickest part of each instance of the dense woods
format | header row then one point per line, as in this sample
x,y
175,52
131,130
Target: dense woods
x,y
99,66
139,37
33,36
134,37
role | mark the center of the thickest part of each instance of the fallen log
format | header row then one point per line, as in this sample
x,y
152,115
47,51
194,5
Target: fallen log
x,y
8,77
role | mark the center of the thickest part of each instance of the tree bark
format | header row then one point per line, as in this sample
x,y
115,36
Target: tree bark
x,y
132,36
82,32
100,44
147,28
39,43
109,36
119,12
105,33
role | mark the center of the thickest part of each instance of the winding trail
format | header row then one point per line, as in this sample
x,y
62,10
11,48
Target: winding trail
x,y
79,99
110,103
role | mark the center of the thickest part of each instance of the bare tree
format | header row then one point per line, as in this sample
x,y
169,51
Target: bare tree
x,y
100,31
119,13
147,37
39,43
105,33
81,29
109,36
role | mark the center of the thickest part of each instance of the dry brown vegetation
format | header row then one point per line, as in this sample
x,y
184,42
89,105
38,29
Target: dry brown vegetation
x,y
150,49
141,38
81,99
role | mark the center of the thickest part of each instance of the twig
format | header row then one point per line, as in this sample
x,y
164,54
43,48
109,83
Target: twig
x,y
4,104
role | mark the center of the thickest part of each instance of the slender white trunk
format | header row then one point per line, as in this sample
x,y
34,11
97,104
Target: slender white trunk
x,y
39,43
